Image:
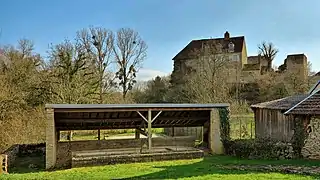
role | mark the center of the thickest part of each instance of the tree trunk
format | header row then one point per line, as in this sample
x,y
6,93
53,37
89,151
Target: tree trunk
x,y
269,66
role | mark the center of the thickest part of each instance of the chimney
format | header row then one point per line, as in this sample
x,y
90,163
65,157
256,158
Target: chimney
x,y
226,35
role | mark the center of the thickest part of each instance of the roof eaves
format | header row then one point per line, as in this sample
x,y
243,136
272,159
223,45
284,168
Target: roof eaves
x,y
293,107
175,57
314,87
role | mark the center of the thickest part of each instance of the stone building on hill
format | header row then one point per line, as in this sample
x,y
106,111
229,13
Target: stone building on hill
x,y
245,69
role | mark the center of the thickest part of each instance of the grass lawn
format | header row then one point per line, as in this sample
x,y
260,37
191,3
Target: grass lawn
x,y
214,167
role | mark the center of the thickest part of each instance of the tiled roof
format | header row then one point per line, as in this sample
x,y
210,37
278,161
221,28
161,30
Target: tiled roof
x,y
281,104
196,45
308,106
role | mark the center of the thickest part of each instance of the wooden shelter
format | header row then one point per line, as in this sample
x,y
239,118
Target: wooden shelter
x,y
270,122
275,119
124,116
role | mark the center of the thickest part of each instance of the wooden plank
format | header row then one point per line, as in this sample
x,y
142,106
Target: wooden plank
x,y
130,109
168,119
124,126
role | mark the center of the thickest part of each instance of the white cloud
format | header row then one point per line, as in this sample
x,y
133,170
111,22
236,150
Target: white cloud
x,y
145,74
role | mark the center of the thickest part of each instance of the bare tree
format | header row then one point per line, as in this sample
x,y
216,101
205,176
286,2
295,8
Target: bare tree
x,y
210,78
98,43
130,51
268,51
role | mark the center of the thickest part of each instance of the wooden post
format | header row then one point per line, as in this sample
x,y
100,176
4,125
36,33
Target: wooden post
x,y
251,129
58,135
137,134
99,134
240,126
149,129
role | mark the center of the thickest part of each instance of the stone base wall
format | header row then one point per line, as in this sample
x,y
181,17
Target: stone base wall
x,y
104,160
185,131
311,149
65,149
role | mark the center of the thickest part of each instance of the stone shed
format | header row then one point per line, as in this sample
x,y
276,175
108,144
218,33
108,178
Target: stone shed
x,y
141,117
309,108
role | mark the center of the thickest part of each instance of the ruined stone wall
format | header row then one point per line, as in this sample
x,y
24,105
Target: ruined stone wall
x,y
312,147
12,153
250,76
297,64
64,149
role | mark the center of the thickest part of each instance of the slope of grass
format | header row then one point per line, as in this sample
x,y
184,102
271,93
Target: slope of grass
x,y
208,168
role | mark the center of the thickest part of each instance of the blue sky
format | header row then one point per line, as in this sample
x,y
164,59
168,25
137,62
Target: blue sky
x,y
169,25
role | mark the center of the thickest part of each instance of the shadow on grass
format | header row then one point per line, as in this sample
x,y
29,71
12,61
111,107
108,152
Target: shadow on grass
x,y
28,164
218,165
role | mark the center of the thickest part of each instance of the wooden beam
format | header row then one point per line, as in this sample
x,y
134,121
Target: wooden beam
x,y
130,109
167,119
98,120
156,116
142,132
87,127
149,130
141,115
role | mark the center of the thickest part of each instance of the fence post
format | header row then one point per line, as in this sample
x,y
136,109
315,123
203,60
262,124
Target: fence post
x,y
240,127
251,127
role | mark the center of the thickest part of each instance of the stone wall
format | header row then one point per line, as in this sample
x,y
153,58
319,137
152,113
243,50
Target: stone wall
x,y
17,150
64,149
311,149
12,153
185,131
91,161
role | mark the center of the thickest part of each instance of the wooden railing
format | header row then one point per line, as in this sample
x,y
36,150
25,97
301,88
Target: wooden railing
x,y
4,164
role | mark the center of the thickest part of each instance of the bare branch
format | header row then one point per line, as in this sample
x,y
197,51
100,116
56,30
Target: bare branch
x,y
98,43
130,51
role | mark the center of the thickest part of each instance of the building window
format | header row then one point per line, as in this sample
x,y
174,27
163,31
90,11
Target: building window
x,y
235,57
231,47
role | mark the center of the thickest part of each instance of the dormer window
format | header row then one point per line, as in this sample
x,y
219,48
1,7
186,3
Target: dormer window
x,y
231,47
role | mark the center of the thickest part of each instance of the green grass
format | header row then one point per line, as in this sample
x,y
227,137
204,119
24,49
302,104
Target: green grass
x,y
207,168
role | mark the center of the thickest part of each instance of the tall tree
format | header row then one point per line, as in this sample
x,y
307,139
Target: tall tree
x,y
269,52
98,43
68,63
69,72
130,51
155,91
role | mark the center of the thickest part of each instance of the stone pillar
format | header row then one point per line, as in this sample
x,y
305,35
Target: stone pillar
x,y
137,135
215,144
51,140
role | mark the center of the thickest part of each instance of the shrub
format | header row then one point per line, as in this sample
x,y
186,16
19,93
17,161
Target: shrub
x,y
259,149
